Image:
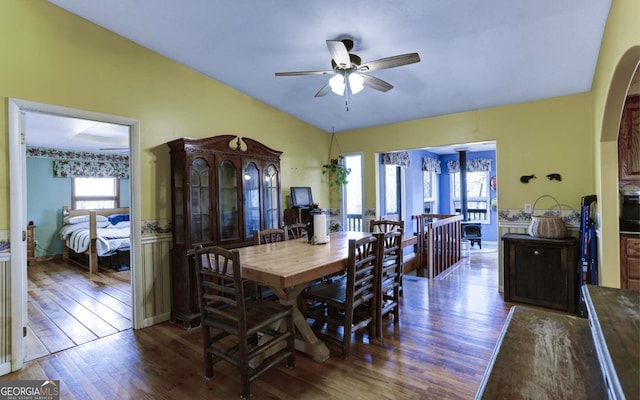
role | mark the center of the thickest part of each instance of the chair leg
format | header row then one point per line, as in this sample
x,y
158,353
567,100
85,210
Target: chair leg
x,y
291,342
245,382
346,340
208,357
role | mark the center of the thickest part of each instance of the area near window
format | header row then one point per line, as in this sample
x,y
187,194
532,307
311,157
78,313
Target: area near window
x,y
95,193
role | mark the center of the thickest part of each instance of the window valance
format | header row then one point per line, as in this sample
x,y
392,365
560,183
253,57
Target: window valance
x,y
90,169
431,165
83,164
474,165
400,158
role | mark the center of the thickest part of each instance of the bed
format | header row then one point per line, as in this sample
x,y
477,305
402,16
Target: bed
x,y
89,234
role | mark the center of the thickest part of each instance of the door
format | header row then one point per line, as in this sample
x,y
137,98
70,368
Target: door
x,y
18,201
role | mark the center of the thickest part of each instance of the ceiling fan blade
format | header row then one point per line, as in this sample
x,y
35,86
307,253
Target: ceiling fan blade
x,y
376,83
297,73
390,62
339,53
323,90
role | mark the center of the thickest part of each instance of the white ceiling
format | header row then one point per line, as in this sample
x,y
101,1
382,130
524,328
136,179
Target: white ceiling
x,y
474,54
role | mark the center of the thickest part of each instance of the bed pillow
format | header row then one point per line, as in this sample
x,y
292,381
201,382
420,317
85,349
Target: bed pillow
x,y
121,225
115,218
67,229
84,218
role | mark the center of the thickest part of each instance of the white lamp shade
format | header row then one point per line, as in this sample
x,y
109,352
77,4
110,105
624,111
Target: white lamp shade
x,y
356,82
337,84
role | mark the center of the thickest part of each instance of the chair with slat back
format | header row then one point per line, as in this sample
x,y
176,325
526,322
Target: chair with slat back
x,y
226,312
390,279
265,236
296,231
384,226
270,235
348,303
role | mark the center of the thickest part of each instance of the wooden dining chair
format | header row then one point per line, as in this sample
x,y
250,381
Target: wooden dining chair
x,y
384,226
349,303
390,279
224,312
269,235
296,231
264,236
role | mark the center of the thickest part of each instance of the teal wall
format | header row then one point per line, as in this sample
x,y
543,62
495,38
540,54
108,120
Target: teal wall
x,y
46,195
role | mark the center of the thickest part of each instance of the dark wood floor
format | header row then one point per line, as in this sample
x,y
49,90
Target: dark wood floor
x,y
448,329
67,307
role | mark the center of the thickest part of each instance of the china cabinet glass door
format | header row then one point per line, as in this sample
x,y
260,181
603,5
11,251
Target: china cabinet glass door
x,y
271,197
200,202
228,201
251,199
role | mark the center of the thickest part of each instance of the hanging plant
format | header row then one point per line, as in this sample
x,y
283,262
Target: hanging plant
x,y
336,172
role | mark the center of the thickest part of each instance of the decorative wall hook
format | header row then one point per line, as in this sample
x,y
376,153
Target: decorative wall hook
x,y
554,177
526,178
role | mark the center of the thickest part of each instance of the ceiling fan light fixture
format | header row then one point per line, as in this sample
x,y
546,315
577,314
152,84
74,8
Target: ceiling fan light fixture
x,y
356,83
337,84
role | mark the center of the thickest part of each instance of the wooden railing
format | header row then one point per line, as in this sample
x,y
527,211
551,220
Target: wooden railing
x,y
354,223
438,246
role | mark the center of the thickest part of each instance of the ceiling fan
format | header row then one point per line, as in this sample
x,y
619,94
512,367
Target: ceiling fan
x,y
350,74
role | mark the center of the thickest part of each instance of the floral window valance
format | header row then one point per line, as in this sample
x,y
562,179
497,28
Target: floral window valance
x,y
90,169
431,165
84,164
400,158
475,165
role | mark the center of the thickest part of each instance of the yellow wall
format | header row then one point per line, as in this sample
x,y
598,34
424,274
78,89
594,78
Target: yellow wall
x,y
618,58
539,137
54,57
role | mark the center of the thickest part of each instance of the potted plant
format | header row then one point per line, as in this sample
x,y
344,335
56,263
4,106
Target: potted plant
x,y
336,172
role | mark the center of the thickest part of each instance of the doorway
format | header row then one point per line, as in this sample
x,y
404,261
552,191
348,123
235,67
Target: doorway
x,y
18,208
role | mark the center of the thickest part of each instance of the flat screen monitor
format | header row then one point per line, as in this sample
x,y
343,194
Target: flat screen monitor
x,y
301,197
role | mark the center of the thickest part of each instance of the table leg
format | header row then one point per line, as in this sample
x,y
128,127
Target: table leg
x,y
306,342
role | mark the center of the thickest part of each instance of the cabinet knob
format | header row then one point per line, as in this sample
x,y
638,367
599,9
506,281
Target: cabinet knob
x,y
536,252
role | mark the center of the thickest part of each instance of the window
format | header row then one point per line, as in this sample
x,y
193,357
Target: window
x,y
95,193
353,193
392,192
430,192
477,195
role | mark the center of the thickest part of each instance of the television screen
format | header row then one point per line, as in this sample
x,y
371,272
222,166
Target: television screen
x,y
301,197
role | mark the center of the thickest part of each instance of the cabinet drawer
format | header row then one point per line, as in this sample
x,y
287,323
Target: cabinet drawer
x,y
633,247
633,268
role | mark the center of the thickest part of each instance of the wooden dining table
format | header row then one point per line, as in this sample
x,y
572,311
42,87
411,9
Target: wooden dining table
x,y
287,267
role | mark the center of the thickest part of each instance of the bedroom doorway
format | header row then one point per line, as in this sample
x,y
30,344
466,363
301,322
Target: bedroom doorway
x,y
19,112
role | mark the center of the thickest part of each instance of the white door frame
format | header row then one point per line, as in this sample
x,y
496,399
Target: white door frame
x,y
18,204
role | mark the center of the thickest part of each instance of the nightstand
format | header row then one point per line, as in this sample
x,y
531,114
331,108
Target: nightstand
x,y
31,244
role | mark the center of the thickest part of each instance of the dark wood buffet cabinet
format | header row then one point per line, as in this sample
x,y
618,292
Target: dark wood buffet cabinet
x,y
223,188
541,272
630,261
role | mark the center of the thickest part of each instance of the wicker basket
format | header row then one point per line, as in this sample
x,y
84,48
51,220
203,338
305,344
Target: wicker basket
x,y
547,226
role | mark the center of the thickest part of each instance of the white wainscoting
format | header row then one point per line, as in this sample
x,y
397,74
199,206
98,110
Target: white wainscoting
x,y
5,313
156,278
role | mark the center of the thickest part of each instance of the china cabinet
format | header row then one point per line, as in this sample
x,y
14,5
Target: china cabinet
x,y
223,188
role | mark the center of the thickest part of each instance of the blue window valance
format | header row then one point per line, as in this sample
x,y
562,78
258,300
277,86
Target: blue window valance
x,y
400,158
431,165
474,165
